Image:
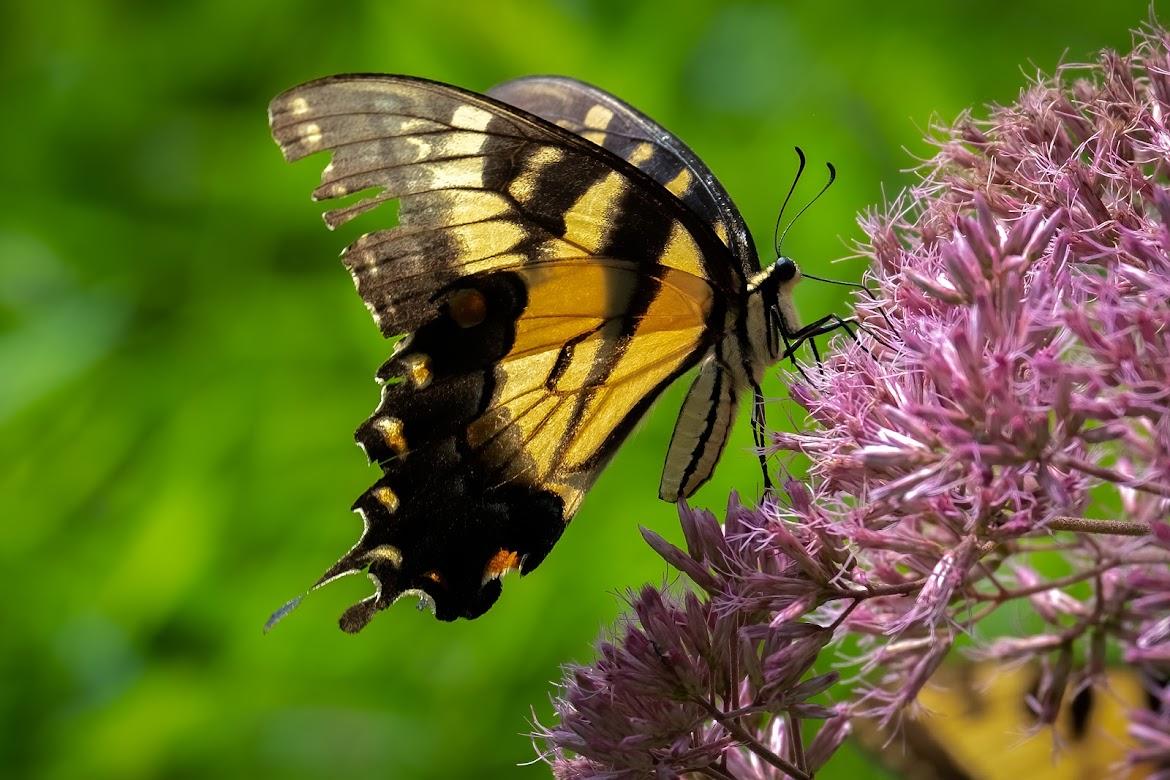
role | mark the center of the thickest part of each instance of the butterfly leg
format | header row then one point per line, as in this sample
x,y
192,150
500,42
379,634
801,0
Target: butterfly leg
x,y
868,293
790,353
820,327
760,433
873,334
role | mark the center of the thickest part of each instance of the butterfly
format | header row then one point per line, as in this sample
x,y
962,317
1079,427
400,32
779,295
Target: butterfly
x,y
559,259
977,722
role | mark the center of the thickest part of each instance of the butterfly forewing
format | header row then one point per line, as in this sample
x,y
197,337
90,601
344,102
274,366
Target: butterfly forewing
x,y
549,290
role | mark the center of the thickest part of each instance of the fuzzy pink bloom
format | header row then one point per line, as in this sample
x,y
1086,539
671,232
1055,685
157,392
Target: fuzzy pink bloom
x,y
1013,382
696,683
1007,401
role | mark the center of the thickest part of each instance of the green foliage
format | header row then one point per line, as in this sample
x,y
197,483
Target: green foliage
x,y
182,358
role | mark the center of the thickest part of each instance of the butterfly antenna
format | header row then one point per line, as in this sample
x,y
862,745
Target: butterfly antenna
x,y
792,189
829,183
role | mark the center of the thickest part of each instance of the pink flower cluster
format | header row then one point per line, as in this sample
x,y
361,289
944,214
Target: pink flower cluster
x,y
715,684
999,432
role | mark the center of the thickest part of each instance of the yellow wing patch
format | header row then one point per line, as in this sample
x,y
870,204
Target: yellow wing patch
x,y
578,368
680,183
588,220
977,717
682,252
597,119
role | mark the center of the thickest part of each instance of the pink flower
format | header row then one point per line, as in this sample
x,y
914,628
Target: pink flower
x,y
1013,381
694,682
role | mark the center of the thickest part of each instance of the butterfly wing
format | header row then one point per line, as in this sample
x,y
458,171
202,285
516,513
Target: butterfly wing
x,y
609,122
550,291
977,722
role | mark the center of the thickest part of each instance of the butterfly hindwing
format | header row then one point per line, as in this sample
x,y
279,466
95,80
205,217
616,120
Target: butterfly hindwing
x,y
977,721
610,122
549,291
704,424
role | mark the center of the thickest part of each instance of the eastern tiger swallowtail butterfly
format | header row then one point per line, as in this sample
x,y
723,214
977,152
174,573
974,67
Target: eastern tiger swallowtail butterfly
x,y
976,722
559,259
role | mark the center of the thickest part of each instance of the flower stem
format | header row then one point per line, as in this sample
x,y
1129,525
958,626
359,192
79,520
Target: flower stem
x,y
719,772
877,591
797,740
1117,477
1042,587
750,742
1091,526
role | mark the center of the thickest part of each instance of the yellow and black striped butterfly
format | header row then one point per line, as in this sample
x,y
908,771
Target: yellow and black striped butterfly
x,y
977,722
559,259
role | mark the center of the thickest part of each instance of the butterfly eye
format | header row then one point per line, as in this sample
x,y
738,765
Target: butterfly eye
x,y
784,269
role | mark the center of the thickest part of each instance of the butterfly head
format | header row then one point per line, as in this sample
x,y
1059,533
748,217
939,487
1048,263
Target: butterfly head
x,y
783,271
772,320
771,314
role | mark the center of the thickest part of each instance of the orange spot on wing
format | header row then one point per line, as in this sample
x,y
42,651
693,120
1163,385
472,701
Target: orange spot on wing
x,y
419,368
392,433
387,498
468,308
500,564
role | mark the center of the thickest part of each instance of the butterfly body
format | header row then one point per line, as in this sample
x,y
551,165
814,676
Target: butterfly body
x,y
559,259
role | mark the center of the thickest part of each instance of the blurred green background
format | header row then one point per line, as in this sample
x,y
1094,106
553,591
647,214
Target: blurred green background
x,y
182,357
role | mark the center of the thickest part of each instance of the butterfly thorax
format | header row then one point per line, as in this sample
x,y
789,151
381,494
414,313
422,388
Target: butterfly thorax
x,y
770,315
